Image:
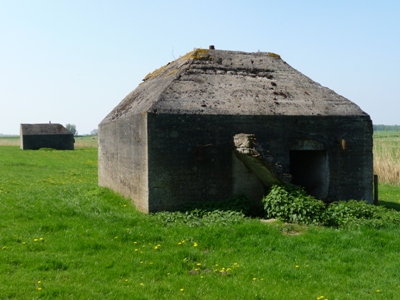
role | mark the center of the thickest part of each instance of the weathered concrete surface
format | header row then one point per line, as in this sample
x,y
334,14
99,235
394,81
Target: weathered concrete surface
x,y
247,153
36,136
171,140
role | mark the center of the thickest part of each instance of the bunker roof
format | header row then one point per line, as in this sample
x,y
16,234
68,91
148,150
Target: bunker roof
x,y
43,129
210,82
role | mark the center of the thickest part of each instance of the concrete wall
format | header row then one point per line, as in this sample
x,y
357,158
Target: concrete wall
x,y
59,142
123,159
188,158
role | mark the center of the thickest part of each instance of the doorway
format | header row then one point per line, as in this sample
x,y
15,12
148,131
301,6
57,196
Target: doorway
x,y
309,169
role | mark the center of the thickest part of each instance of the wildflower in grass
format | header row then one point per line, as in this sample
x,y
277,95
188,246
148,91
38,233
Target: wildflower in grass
x,y
182,290
41,239
297,266
39,288
39,282
23,243
195,244
35,240
254,279
135,243
378,291
199,264
142,284
126,280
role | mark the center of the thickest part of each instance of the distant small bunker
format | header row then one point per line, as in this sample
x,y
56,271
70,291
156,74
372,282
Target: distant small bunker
x,y
183,134
36,136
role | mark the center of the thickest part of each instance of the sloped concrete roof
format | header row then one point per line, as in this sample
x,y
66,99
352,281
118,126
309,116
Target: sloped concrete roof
x,y
232,83
43,129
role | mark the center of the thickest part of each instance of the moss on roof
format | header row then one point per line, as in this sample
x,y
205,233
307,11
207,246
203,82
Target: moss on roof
x,y
207,81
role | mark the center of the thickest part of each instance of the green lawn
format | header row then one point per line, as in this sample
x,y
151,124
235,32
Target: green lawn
x,y
63,237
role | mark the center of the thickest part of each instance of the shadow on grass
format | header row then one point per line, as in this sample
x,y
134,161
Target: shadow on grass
x,y
388,204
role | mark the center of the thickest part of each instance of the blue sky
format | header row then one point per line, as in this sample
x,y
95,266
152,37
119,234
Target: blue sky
x,y
73,61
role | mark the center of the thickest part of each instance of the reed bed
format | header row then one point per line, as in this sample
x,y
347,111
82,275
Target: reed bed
x,y
387,158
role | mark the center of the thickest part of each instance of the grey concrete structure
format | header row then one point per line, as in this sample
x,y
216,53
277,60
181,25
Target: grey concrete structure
x,y
171,140
36,136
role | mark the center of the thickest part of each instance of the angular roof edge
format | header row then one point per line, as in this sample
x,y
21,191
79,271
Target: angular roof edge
x,y
44,129
212,82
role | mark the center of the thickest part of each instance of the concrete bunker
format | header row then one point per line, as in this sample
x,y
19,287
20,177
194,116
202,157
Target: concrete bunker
x,y
45,135
171,141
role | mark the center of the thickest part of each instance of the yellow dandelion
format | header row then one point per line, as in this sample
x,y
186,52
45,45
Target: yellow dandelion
x,y
39,282
126,280
297,266
41,239
199,264
195,244
378,291
135,243
182,290
201,276
39,288
141,283
35,240
254,279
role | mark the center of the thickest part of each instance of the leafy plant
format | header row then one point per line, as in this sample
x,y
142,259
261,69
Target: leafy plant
x,y
292,204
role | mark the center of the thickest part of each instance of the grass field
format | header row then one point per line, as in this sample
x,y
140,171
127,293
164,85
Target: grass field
x,y
63,237
80,141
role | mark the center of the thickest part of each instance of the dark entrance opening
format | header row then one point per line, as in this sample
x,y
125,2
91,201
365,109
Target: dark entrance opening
x,y
309,169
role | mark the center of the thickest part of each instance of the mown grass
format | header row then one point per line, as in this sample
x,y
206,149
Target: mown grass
x,y
63,237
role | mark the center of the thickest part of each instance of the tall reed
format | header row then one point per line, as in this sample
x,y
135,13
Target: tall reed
x,y
387,159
